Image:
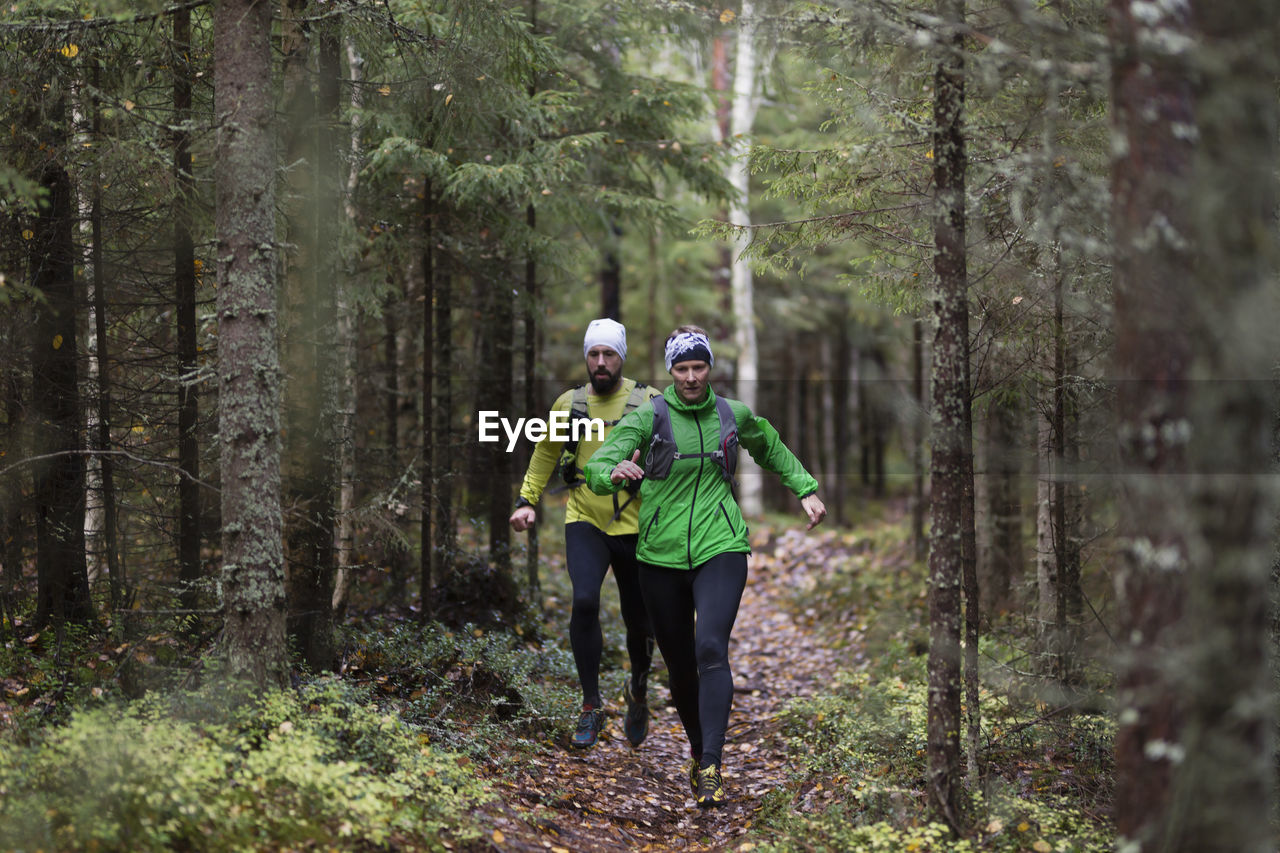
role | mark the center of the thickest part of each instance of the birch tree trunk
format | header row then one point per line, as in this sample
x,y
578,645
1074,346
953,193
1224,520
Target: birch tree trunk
x,y
248,363
347,323
741,285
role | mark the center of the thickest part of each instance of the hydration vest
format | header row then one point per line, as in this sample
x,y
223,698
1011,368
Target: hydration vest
x,y
568,464
662,443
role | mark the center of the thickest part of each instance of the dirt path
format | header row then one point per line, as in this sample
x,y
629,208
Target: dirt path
x,y
613,797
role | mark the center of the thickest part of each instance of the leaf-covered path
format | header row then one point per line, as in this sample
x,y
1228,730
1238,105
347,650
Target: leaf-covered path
x,y
613,797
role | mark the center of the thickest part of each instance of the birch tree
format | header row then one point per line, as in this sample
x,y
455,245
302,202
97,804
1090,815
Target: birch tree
x,y
746,102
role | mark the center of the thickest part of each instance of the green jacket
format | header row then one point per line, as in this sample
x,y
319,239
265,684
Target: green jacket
x,y
691,516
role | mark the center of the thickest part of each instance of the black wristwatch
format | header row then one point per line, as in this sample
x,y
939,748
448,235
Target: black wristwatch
x,y
523,501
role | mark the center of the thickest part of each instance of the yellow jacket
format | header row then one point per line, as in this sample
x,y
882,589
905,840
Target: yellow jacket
x,y
584,504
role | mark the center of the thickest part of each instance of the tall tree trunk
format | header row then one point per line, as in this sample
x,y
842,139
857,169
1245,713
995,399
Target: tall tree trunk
x,y
86,111
530,320
1004,552
185,283
393,354
1066,535
59,473
1046,554
446,534
430,453
498,363
1228,734
248,363
11,493
950,404
1152,103
918,424
843,383
100,406
742,119
347,325
969,572
611,272
309,396
530,387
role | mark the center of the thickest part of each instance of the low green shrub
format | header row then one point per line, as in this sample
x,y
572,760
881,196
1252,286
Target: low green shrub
x,y
467,687
291,770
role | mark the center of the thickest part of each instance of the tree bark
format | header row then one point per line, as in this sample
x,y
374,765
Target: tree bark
x,y
919,538
1152,104
59,474
430,453
1229,711
100,406
742,118
185,283
446,533
530,322
950,404
498,362
248,363
347,324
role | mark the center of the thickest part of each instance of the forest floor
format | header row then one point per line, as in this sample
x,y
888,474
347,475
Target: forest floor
x,y
615,797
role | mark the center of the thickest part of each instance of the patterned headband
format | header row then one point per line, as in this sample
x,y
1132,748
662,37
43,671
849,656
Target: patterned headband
x,y
688,346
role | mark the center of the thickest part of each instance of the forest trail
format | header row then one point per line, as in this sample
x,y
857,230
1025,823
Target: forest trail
x,y
613,797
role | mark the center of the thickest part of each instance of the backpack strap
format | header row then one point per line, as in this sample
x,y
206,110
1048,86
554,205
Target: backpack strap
x,y
569,470
570,473
663,453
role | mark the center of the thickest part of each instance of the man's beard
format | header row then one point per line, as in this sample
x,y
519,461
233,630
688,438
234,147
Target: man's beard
x,y
606,382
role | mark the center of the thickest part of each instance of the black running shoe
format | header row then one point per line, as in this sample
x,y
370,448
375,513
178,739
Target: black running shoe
x,y
589,726
710,787
636,724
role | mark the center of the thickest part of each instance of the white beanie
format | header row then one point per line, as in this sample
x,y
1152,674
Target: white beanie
x,y
606,332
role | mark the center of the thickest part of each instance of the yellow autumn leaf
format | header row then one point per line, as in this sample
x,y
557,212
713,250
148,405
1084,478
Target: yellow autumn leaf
x,y
70,51
498,837
928,155
27,233
1024,826
448,98
1041,846
384,90
57,341
727,15
129,105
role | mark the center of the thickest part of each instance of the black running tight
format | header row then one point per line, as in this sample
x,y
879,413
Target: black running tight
x,y
589,552
697,658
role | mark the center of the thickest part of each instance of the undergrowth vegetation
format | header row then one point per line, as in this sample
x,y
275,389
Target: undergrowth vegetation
x,y
388,753
1044,769
186,771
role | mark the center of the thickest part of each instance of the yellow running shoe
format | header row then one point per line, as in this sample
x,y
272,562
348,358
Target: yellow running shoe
x,y
710,787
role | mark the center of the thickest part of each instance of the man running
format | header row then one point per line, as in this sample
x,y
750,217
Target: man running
x,y
599,531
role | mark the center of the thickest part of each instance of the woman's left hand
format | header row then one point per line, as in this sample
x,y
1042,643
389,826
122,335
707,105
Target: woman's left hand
x,y
815,509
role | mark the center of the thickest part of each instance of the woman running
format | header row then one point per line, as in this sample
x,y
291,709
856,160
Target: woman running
x,y
693,539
